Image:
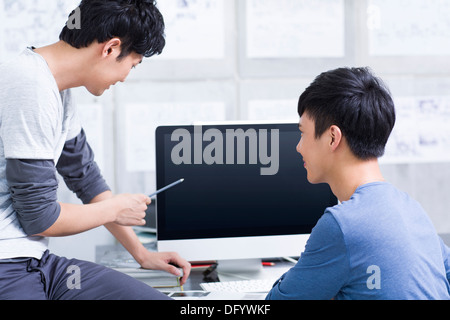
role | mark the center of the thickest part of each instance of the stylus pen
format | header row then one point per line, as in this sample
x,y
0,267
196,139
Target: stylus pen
x,y
165,188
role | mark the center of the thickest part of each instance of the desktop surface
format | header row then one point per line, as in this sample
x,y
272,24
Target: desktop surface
x,y
192,290
116,255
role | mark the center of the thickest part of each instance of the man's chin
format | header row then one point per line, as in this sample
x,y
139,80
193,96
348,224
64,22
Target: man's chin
x,y
313,180
97,93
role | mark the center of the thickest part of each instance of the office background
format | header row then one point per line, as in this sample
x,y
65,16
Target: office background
x,y
229,60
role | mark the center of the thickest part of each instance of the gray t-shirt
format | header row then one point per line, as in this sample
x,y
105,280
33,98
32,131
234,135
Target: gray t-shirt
x,y
35,122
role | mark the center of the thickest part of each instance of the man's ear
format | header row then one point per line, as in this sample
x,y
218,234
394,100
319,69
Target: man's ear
x,y
335,134
112,48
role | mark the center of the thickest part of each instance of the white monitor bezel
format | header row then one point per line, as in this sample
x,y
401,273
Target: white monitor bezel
x,y
236,248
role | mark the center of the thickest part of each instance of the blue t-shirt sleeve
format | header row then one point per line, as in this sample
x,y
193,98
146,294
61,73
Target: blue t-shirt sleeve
x,y
322,269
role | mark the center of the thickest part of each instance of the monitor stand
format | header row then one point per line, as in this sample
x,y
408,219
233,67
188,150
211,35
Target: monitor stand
x,y
239,269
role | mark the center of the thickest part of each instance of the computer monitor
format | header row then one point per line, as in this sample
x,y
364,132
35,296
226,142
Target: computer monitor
x,y
245,193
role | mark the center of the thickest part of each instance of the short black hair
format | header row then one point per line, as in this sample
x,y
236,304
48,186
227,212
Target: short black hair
x,y
356,101
138,23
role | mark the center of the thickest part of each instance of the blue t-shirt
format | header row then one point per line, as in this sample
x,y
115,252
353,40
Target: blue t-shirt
x,y
380,244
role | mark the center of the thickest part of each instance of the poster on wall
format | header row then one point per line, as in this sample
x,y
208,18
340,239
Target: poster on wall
x,y
422,132
408,27
26,23
295,29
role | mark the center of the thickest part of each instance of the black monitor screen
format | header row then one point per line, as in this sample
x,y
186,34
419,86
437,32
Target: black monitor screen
x,y
240,180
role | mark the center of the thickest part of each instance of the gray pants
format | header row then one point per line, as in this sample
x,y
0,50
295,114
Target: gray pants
x,y
57,278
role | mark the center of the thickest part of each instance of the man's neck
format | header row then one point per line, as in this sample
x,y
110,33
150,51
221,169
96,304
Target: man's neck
x,y
353,174
65,63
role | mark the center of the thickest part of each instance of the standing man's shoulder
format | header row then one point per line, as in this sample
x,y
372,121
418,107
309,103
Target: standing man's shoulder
x,y
26,70
27,80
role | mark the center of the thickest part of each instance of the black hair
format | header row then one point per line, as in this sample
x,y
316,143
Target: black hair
x,y
358,103
138,23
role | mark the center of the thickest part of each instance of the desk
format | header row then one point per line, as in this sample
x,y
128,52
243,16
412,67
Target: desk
x,y
197,276
116,254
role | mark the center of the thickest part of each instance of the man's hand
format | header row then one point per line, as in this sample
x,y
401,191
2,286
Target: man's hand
x,y
132,209
127,237
165,261
126,210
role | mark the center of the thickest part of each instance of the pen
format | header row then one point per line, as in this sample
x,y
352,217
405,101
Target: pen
x,y
168,187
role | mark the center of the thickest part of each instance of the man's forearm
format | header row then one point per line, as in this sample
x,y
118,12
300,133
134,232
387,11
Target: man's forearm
x,y
74,219
128,238
125,235
125,210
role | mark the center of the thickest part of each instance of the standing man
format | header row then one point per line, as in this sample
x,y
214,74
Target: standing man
x,y
41,136
378,243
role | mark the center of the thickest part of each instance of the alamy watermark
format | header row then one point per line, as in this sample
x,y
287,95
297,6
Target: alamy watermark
x,y
74,21
74,280
220,148
374,280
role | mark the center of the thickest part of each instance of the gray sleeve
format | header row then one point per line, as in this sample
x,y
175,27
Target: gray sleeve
x,y
79,170
33,186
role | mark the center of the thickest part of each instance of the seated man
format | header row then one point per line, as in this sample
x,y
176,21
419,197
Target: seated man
x,y
41,136
378,243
